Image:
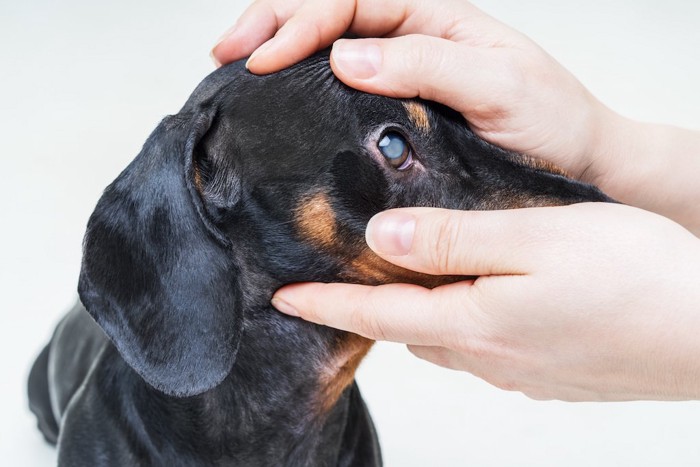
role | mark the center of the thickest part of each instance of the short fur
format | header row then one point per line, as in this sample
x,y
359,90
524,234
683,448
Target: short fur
x,y
257,182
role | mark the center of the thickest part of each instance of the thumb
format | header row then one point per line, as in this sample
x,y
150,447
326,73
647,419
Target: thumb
x,y
416,65
471,243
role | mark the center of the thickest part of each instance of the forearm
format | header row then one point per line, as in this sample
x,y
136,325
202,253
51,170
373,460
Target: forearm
x,y
654,167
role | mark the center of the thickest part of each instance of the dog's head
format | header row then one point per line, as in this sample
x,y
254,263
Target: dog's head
x,y
266,180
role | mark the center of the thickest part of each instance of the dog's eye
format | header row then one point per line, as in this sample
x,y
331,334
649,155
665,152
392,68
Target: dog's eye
x,y
396,150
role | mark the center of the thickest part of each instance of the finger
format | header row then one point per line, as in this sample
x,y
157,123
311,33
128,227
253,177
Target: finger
x,y
489,367
433,68
478,243
440,356
258,23
395,312
313,27
455,20
318,23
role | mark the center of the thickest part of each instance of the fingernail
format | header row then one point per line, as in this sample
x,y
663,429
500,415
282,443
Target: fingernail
x,y
284,307
258,51
391,233
216,61
357,58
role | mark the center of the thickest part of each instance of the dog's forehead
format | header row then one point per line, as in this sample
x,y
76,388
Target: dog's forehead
x,y
307,93
292,125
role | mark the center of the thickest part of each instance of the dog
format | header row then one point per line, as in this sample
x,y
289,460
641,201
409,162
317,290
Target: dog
x,y
174,355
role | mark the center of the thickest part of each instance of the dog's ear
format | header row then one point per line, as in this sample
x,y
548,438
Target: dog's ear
x,y
157,275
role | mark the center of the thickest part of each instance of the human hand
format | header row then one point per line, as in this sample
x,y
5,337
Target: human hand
x,y
583,302
511,92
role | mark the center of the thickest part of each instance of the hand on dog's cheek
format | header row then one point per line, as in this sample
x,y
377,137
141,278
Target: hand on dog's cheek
x,y
583,302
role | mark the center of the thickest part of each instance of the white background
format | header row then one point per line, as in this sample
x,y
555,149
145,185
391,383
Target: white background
x,y
82,84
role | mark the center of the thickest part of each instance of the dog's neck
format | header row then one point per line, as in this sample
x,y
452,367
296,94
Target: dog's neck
x,y
290,397
285,402
322,358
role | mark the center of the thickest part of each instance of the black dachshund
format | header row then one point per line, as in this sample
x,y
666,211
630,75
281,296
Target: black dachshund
x,y
259,181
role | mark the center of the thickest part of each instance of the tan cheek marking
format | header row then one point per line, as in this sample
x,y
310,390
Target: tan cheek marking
x,y
545,166
418,115
340,373
315,220
369,268
518,200
534,202
515,199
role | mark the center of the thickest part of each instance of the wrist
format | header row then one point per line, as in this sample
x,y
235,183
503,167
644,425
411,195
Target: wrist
x,y
608,149
650,166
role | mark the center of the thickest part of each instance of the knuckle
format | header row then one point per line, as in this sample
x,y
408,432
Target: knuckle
x,y
475,349
512,77
507,384
425,62
356,319
365,320
309,312
314,31
539,395
375,328
436,355
409,64
443,252
312,304
419,55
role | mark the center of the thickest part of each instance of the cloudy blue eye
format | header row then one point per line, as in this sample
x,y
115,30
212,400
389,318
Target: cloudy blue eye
x,y
395,150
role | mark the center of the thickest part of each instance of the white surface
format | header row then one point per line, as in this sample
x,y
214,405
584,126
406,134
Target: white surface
x,y
83,83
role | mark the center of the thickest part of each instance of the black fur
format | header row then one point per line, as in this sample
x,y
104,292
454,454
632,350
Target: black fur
x,y
187,363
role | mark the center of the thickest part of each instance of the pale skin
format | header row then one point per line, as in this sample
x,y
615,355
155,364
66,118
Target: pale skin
x,y
585,302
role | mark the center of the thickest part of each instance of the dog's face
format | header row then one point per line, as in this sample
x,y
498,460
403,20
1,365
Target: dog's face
x,y
321,159
261,181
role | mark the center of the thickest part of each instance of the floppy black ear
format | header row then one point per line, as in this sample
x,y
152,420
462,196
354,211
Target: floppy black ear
x,y
157,275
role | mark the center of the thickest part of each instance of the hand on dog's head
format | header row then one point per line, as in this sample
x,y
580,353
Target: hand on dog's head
x,y
274,178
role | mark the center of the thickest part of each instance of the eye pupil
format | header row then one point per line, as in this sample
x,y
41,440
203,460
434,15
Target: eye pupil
x,y
396,150
392,145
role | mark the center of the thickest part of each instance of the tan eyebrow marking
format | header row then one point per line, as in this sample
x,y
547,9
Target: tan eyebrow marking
x,y
418,115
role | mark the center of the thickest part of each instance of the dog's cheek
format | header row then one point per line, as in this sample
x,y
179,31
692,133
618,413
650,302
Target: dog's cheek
x,y
359,188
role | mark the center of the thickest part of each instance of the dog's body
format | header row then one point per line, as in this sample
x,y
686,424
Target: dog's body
x,y
257,182
252,418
